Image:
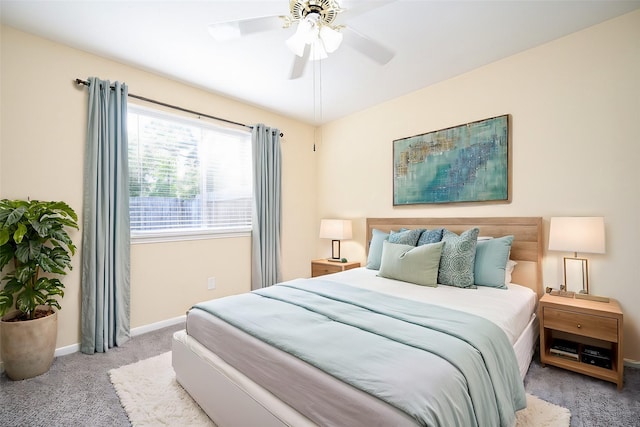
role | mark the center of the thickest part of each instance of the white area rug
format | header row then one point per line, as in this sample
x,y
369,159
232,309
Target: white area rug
x,y
151,396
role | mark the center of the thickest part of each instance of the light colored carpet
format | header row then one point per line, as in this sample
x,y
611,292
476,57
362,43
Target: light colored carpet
x,y
151,396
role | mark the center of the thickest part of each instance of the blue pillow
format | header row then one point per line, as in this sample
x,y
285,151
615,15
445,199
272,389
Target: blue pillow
x,y
457,260
375,249
430,236
406,237
491,259
418,265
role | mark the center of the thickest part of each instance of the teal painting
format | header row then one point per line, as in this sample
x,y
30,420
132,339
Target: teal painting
x,y
466,163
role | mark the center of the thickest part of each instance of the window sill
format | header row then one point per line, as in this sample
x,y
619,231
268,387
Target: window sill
x,y
165,237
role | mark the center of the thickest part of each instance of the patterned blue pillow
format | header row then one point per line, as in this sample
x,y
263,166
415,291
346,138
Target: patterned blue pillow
x,y
458,257
430,236
406,237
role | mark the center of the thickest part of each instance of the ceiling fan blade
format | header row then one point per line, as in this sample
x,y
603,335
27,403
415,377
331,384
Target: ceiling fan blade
x,y
351,9
230,30
299,64
367,46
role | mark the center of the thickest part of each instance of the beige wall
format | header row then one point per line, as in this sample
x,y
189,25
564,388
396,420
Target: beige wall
x,y
42,138
575,108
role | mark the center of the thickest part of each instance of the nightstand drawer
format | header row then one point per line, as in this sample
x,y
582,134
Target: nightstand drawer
x,y
604,328
322,269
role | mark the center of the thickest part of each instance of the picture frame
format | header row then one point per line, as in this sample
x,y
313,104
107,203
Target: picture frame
x,y
468,163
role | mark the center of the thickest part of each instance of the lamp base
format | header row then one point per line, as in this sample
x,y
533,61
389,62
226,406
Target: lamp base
x,y
334,259
566,294
592,297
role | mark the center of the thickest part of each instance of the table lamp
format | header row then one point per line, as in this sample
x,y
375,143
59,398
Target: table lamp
x,y
577,234
336,230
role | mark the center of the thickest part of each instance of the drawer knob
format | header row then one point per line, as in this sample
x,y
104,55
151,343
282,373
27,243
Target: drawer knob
x,y
579,326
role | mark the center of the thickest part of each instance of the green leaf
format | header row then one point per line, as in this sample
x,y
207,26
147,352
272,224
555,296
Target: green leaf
x,y
28,300
13,285
51,285
6,302
6,255
41,227
63,208
25,272
28,250
53,303
54,260
62,237
4,235
18,235
15,216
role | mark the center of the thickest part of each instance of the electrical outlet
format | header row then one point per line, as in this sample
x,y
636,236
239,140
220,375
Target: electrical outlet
x,y
211,283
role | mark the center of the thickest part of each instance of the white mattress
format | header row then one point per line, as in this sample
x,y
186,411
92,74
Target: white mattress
x,y
511,309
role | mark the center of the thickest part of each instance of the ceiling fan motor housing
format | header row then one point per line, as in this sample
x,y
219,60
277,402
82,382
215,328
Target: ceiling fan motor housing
x,y
327,9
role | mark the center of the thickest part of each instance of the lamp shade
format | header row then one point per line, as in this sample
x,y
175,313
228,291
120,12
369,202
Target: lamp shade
x,y
336,229
577,234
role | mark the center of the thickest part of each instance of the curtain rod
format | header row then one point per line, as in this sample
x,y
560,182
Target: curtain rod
x,y
175,107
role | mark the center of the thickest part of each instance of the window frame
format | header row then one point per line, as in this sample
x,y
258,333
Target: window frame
x,y
142,237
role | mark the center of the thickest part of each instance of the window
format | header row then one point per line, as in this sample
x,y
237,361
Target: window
x,y
187,178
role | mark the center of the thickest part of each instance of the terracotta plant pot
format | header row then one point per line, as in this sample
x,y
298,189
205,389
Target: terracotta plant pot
x,y
28,346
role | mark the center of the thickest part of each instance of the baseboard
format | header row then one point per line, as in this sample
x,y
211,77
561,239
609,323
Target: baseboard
x,y
74,348
158,325
632,363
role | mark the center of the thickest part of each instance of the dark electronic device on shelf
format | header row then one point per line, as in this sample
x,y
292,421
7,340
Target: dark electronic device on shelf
x,y
596,356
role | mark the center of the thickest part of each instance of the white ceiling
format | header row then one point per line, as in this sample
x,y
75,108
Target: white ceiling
x,y
433,41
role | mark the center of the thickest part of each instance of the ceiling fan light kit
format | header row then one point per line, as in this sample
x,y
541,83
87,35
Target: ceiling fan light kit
x,y
321,38
316,34
315,18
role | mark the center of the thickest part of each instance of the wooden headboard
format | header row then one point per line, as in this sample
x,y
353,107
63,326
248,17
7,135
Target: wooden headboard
x,y
526,249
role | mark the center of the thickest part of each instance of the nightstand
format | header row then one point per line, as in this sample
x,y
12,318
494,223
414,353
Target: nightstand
x,y
588,324
320,267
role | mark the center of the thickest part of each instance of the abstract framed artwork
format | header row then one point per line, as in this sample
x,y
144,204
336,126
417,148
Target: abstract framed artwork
x,y
465,163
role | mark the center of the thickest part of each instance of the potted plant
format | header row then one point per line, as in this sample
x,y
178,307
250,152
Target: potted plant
x,y
33,241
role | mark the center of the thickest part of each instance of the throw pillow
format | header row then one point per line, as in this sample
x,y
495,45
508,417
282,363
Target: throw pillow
x,y
491,261
458,256
430,236
406,237
511,264
418,265
375,249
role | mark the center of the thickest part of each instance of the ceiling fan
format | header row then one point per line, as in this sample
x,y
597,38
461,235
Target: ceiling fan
x,y
318,31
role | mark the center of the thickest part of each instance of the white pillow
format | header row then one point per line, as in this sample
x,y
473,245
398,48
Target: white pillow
x,y
511,264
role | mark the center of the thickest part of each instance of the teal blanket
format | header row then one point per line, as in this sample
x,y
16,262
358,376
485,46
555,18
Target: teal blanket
x,y
442,367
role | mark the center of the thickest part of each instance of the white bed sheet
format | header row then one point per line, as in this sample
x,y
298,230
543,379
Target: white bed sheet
x,y
511,309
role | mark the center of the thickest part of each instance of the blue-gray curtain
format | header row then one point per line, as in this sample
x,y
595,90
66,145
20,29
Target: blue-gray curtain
x,y
105,240
267,207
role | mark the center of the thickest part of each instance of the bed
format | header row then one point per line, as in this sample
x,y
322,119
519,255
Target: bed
x,y
241,378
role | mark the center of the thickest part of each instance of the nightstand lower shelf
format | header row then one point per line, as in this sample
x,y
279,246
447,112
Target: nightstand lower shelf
x,y
582,368
591,331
